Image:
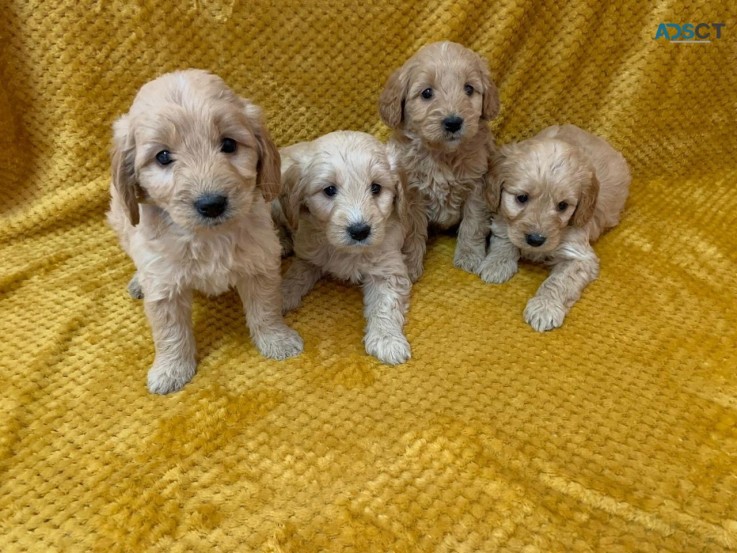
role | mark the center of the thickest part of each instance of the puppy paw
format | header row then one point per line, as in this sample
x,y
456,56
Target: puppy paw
x,y
468,261
287,246
544,314
281,343
165,378
391,349
134,288
497,272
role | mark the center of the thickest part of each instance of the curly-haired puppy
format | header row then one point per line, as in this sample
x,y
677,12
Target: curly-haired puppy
x,y
193,168
345,204
553,195
438,104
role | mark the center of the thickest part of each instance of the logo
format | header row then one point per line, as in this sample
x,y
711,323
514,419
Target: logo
x,y
689,33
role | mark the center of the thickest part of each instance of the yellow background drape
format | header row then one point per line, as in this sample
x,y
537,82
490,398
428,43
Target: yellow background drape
x,y
613,433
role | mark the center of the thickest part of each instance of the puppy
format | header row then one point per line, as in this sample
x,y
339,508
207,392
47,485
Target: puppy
x,y
553,195
193,168
438,104
346,206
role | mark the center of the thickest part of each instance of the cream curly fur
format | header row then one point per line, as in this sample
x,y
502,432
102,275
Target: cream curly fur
x,y
175,247
338,182
553,195
445,80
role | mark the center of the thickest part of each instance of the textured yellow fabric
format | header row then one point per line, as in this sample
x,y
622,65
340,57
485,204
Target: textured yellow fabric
x,y
615,433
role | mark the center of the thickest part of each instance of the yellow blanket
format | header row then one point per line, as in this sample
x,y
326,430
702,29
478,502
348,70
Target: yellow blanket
x,y
614,433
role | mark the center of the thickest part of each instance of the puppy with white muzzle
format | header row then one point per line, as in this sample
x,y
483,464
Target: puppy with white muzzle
x,y
193,170
438,104
552,196
345,204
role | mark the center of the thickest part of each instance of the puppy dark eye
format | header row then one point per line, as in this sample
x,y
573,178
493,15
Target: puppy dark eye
x,y
330,191
427,93
228,146
562,206
469,90
375,188
164,157
522,198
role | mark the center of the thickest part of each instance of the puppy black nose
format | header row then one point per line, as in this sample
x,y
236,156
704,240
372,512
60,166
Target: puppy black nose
x,y
535,240
359,231
211,205
453,123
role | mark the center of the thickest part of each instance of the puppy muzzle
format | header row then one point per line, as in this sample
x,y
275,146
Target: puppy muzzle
x,y
535,240
359,232
358,236
211,209
453,127
211,206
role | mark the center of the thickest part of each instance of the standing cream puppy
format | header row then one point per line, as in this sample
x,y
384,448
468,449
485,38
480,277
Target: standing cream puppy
x,y
193,171
438,104
552,196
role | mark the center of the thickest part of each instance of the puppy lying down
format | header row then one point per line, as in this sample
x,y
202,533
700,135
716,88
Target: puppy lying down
x,y
193,169
552,196
345,205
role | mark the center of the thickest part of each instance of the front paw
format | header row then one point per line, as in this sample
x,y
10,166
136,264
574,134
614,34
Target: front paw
x,y
168,377
135,290
392,349
287,245
469,261
279,344
544,314
497,271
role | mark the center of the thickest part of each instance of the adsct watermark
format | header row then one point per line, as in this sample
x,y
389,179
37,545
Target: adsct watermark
x,y
689,33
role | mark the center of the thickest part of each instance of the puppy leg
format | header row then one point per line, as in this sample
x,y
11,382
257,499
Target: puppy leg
x,y
171,324
134,288
300,278
385,301
262,302
500,263
555,297
471,244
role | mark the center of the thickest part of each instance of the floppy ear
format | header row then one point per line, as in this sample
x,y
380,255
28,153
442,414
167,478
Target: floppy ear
x,y
492,185
123,167
291,197
586,203
269,166
402,199
391,100
411,213
490,104
268,170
